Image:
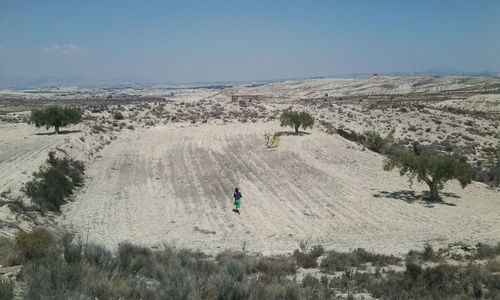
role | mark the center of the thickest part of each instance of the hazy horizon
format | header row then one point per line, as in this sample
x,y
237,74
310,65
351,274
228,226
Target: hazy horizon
x,y
221,41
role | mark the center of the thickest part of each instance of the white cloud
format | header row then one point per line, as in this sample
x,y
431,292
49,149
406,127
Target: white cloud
x,y
65,50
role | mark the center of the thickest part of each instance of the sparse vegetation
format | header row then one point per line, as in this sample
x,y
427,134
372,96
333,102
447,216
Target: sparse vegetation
x,y
433,169
55,116
443,281
31,245
428,254
296,120
275,267
6,289
374,141
308,258
69,270
338,261
98,129
485,251
54,182
488,175
272,141
118,116
349,134
370,139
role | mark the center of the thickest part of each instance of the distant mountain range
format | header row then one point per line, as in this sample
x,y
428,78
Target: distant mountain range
x,y
19,83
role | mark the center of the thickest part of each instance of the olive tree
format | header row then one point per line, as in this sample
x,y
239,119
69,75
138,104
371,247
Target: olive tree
x,y
296,120
433,169
54,116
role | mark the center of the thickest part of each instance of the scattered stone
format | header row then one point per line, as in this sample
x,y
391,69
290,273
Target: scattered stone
x,y
10,272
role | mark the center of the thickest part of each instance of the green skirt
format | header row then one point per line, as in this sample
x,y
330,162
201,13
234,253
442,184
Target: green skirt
x,y
237,203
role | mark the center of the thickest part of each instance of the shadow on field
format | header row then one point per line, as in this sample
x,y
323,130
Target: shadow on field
x,y
292,133
411,197
60,132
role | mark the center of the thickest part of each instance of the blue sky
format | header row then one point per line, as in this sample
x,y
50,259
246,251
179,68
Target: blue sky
x,y
182,41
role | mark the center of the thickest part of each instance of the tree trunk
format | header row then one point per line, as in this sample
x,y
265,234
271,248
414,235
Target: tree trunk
x,y
57,129
297,129
434,196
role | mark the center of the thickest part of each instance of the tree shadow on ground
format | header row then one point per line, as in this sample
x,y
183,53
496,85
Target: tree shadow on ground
x,y
411,197
292,133
60,132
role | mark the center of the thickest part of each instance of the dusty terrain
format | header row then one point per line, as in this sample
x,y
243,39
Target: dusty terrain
x,y
165,170
173,184
23,149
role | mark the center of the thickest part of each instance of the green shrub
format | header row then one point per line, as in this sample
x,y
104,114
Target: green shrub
x,y
485,251
350,135
31,245
6,289
374,141
52,278
310,281
54,182
337,261
230,281
277,266
427,255
189,258
179,284
370,139
134,259
308,259
250,262
72,251
98,256
166,257
118,116
488,174
225,255
315,288
276,290
158,272
235,269
5,250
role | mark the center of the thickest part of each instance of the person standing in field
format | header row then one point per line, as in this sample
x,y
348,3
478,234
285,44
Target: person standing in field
x,y
237,201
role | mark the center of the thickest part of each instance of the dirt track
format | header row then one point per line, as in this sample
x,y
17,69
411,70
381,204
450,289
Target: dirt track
x,y
171,184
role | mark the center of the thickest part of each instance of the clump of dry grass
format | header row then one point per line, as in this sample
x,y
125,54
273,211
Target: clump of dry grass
x,y
308,258
345,261
6,289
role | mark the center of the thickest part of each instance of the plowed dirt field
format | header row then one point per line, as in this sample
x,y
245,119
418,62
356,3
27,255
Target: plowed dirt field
x,y
173,184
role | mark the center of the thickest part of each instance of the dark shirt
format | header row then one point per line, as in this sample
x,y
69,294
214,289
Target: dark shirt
x,y
237,196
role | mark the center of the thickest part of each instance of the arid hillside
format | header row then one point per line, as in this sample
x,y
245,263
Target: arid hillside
x,y
162,165
173,184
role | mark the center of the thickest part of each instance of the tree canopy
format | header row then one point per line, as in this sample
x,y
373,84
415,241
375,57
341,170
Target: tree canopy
x,y
296,120
55,116
433,169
